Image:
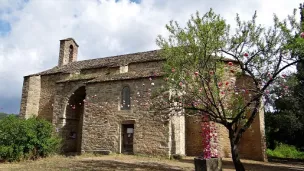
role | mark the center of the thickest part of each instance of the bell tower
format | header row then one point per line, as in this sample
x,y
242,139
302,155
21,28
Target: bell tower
x,y
68,51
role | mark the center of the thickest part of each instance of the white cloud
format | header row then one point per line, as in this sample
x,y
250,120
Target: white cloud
x,y
101,28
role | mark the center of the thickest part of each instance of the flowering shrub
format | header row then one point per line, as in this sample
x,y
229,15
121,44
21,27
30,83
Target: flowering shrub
x,y
210,141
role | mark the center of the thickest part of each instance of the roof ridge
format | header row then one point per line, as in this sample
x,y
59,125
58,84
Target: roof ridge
x,y
118,56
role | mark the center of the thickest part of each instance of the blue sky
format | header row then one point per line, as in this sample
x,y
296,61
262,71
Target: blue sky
x,y
5,27
30,30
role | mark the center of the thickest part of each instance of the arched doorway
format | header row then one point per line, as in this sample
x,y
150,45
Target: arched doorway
x,y
74,120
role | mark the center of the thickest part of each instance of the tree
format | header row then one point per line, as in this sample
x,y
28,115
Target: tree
x,y
286,121
202,58
3,115
283,122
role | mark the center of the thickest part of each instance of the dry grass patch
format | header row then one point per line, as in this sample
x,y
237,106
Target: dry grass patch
x,y
117,162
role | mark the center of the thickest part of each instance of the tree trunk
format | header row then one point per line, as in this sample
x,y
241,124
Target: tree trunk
x,y
238,165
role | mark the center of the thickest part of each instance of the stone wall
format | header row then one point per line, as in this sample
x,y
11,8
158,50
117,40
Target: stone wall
x,y
30,96
47,94
224,142
100,71
193,135
24,97
253,142
103,118
64,52
177,125
138,67
64,117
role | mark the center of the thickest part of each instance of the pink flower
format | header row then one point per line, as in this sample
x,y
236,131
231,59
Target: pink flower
x,y
211,73
246,54
302,35
173,70
180,83
196,73
232,71
227,83
230,63
283,75
220,84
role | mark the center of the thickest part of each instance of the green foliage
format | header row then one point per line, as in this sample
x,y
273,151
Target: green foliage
x,y
26,139
204,58
285,123
3,115
285,151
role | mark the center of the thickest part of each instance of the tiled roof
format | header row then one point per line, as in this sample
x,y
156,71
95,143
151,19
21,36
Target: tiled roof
x,y
113,61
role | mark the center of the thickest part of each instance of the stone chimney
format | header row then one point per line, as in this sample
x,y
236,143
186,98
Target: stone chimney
x,y
68,51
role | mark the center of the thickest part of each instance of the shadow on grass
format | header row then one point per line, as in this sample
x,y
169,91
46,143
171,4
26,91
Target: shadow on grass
x,y
259,166
112,165
286,160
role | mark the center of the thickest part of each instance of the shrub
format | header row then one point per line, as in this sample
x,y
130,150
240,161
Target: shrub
x,y
26,139
285,151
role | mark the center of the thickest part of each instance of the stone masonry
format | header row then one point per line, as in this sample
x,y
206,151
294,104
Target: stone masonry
x,y
84,100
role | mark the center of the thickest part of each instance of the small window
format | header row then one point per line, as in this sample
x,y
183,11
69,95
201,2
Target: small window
x,y
71,51
125,99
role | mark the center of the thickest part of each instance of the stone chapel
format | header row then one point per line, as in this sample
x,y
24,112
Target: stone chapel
x,y
97,106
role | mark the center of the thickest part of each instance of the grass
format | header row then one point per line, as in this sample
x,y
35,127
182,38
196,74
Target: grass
x,y
119,162
285,151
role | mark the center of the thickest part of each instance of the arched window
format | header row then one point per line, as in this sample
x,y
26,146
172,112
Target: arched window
x,y
125,98
71,53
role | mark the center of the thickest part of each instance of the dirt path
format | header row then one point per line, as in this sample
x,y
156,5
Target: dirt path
x,y
133,163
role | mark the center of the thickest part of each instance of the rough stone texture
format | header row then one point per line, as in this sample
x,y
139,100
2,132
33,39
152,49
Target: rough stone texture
x,y
193,136
47,93
64,54
30,96
177,125
103,119
97,123
253,142
137,67
224,142
24,97
65,118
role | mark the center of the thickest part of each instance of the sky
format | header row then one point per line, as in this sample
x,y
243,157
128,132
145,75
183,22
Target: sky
x,y
30,30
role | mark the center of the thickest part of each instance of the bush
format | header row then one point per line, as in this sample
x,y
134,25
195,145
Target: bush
x,y
285,151
26,139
